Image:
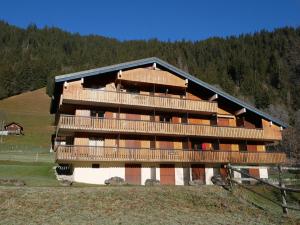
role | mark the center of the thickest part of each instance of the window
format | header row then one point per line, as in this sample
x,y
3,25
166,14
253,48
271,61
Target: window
x,y
133,90
243,147
69,140
97,113
95,166
184,119
98,87
215,145
198,146
96,141
165,119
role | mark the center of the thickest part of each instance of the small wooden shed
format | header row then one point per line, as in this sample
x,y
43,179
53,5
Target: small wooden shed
x,y
14,128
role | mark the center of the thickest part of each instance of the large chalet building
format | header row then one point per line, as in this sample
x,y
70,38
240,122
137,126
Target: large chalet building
x,y
147,119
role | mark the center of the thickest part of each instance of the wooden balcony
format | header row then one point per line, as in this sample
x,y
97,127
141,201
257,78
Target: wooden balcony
x,y
101,125
142,101
94,154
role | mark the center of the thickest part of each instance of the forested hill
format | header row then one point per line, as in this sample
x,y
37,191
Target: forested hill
x,y
262,68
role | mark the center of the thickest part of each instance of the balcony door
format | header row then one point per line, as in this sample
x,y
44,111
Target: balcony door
x,y
96,142
95,146
132,115
97,113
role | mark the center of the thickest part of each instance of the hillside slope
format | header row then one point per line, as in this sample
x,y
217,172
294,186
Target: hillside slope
x,y
132,205
263,67
31,110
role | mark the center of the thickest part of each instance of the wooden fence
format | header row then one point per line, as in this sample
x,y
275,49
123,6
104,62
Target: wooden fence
x,y
281,187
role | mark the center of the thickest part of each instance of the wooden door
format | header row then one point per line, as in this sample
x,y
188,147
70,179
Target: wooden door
x,y
253,148
133,173
167,174
198,172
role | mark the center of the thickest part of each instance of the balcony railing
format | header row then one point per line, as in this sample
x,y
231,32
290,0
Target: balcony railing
x,y
100,97
66,153
92,124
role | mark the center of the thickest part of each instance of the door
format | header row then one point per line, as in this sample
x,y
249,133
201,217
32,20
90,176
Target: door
x,y
167,174
198,172
133,173
252,147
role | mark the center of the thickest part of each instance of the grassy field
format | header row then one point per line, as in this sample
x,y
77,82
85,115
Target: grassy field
x,y
131,205
32,173
31,110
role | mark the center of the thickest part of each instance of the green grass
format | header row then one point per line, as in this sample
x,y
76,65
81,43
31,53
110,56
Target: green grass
x,y
130,205
31,110
25,153
33,173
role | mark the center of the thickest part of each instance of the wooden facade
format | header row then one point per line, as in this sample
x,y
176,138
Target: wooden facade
x,y
151,114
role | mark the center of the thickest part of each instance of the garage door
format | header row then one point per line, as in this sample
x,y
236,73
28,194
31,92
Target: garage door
x,y
133,173
167,174
198,172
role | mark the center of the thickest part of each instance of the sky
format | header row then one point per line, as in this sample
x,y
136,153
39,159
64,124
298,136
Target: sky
x,y
165,19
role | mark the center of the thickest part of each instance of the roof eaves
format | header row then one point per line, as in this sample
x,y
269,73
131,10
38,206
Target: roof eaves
x,y
106,69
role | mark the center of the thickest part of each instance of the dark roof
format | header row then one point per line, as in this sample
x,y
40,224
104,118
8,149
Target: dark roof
x,y
132,64
7,125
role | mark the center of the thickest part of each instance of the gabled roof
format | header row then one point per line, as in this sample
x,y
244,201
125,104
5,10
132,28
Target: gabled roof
x,y
7,125
147,61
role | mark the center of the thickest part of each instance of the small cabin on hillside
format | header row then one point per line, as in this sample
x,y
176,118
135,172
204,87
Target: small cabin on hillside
x,y
14,128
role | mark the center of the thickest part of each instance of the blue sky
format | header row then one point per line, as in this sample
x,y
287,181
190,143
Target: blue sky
x,y
165,20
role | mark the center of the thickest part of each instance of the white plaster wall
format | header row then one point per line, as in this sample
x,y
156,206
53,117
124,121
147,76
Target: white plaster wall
x,y
145,174
238,176
97,175
158,173
263,173
179,176
209,173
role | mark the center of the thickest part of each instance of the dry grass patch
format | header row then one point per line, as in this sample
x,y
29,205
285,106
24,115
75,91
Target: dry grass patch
x,y
129,205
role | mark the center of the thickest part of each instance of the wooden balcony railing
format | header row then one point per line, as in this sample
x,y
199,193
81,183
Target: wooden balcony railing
x,y
66,153
100,97
92,124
